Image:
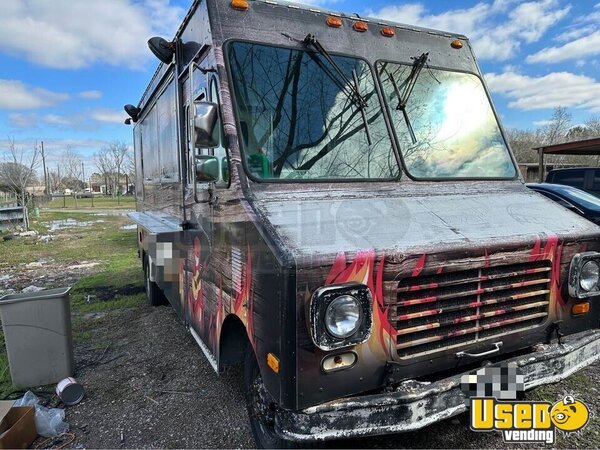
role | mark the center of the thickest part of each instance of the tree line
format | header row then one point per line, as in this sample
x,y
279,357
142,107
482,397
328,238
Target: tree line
x,y
557,130
23,167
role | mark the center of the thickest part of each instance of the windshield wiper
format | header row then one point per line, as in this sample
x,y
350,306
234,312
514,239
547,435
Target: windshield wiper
x,y
407,88
348,86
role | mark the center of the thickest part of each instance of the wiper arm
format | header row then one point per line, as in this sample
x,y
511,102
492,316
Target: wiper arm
x,y
349,87
407,88
411,131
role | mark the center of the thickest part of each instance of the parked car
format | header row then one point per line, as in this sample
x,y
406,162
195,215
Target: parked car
x,y
584,178
578,201
82,194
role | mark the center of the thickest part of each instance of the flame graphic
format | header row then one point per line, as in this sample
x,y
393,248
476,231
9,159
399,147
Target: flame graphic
x,y
244,304
362,270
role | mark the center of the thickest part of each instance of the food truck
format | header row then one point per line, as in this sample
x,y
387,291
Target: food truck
x,y
331,201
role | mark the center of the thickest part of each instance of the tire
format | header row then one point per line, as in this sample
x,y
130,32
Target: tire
x,y
261,425
154,294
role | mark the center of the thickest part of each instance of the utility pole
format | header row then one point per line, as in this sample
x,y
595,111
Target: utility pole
x,y
46,186
83,174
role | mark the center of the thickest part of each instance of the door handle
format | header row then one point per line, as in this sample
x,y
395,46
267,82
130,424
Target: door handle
x,y
496,349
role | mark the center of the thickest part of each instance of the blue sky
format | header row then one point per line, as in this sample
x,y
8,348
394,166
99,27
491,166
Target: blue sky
x,y
67,67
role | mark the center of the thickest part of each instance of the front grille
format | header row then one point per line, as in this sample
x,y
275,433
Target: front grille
x,y
436,312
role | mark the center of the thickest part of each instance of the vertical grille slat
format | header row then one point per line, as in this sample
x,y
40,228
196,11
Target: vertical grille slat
x,y
434,312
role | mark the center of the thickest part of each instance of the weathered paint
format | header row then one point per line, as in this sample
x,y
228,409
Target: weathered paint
x,y
255,252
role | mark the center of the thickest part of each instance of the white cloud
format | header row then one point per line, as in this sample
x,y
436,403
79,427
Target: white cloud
x,y
575,32
90,95
108,115
89,120
15,94
33,120
496,29
79,34
546,91
579,48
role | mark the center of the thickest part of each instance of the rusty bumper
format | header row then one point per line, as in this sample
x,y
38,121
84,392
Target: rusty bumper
x,y
415,405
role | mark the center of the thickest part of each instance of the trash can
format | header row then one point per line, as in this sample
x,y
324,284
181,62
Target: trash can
x,y
37,332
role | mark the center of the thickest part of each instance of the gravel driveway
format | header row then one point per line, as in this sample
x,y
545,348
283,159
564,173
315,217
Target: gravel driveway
x,y
148,385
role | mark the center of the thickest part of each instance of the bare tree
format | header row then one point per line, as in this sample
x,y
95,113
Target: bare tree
x,y
593,125
72,165
105,166
117,152
129,166
556,130
17,172
55,180
523,142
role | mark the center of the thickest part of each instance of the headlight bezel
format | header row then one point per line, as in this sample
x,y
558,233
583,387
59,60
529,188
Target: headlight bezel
x,y
575,271
320,302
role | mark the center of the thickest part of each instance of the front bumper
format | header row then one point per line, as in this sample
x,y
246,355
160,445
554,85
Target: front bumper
x,y
415,405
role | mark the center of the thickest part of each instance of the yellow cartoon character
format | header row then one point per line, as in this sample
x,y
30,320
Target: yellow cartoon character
x,y
569,414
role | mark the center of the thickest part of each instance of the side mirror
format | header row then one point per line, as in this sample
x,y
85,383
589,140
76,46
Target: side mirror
x,y
205,132
207,169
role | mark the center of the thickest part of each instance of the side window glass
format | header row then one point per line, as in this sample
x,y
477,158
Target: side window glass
x,y
596,181
198,86
150,153
573,178
220,152
167,136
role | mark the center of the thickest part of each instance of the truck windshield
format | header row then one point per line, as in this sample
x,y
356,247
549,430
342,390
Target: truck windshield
x,y
298,120
454,131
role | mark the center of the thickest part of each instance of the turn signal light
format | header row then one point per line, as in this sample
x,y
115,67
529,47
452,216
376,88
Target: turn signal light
x,y
273,362
241,5
581,308
334,22
388,32
361,27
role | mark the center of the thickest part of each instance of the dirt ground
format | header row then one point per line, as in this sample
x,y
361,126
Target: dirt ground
x,y
148,385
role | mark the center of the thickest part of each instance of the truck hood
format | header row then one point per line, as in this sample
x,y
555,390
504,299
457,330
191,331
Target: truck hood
x,y
413,217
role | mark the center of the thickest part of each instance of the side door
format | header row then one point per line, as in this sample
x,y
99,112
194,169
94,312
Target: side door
x,y
198,298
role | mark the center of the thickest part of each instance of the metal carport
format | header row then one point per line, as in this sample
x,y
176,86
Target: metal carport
x,y
588,147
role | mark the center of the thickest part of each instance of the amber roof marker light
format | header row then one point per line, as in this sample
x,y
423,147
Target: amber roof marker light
x,y
361,27
334,22
388,32
457,44
240,5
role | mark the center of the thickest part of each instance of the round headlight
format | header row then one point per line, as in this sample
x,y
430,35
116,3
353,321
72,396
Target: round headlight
x,y
343,316
590,273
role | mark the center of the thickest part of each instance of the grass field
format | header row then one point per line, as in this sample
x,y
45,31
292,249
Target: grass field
x,y
69,202
116,282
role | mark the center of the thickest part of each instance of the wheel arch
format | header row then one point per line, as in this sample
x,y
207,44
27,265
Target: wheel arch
x,y
233,342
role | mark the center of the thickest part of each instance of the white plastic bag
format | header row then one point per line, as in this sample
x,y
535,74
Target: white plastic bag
x,y
50,422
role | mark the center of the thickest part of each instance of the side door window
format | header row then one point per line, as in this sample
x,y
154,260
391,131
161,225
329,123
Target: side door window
x,y
198,92
220,152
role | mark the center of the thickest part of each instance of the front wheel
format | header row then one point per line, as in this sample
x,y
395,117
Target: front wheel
x,y
154,294
261,418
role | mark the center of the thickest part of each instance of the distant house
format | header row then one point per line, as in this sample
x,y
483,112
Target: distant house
x,y
106,184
